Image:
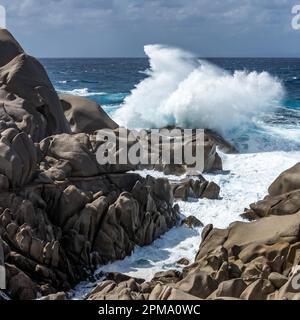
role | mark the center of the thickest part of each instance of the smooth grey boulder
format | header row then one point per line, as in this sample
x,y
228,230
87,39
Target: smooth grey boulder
x,y
85,115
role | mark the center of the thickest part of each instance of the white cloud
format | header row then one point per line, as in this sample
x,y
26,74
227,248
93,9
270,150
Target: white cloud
x,y
140,21
148,10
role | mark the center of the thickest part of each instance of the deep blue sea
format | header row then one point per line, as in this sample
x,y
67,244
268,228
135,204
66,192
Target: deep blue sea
x,y
114,78
109,81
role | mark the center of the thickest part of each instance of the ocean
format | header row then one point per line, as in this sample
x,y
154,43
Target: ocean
x,y
249,109
252,102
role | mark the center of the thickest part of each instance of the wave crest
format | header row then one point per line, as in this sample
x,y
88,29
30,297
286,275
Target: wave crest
x,y
184,91
83,92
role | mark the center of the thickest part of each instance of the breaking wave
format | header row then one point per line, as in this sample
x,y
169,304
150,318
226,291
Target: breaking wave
x,y
181,90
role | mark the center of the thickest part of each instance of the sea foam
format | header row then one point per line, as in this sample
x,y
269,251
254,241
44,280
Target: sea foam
x,y
245,180
191,93
82,92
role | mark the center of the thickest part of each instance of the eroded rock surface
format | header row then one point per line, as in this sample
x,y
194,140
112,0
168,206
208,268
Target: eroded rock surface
x,y
61,212
85,115
283,198
195,188
55,234
248,261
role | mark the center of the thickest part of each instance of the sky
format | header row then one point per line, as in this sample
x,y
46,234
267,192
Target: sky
x,y
121,28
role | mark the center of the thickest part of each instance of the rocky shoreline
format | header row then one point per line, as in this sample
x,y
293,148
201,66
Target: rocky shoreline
x,y
247,261
62,214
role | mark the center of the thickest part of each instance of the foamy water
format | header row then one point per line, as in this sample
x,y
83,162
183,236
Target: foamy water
x,y
246,108
245,179
184,91
84,92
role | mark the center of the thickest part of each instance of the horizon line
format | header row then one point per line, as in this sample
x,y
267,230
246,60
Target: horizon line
x,y
216,57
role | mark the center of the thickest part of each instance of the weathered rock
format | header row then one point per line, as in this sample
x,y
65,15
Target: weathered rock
x,y
29,111
211,160
229,288
29,101
173,169
249,261
64,156
10,48
183,262
181,190
62,212
61,232
267,231
85,116
19,285
199,188
198,284
119,277
258,290
76,150
192,222
17,157
284,204
211,191
287,181
4,183
256,267
290,290
59,296
168,293
128,289
277,279
167,277
223,144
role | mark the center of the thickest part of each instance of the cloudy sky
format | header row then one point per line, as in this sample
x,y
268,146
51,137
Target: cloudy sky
x,y
120,28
